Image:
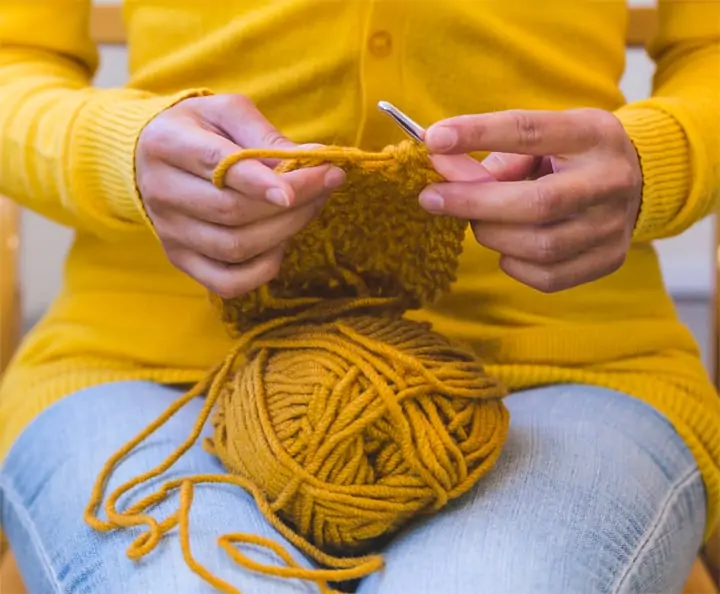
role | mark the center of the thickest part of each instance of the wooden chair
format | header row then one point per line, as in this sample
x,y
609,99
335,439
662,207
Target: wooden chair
x,y
9,285
108,28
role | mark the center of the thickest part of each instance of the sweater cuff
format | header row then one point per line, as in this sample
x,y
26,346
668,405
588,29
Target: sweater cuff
x,y
664,155
102,154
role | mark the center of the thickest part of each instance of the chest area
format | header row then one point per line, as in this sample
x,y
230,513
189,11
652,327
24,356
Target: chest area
x,y
497,29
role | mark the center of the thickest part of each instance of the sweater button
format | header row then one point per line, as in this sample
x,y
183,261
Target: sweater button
x,y
380,44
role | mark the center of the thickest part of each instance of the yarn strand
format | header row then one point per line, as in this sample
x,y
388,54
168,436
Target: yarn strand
x,y
346,568
315,156
341,419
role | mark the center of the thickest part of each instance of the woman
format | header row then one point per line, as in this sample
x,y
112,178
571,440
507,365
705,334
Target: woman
x,y
611,474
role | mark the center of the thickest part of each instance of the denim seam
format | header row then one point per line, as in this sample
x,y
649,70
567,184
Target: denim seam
x,y
672,497
12,497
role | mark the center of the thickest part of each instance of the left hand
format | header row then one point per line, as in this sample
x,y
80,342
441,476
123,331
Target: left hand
x,y
559,195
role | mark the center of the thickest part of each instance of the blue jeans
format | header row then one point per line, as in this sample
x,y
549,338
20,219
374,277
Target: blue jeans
x,y
594,493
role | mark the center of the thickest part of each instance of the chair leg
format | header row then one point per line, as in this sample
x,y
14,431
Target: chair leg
x,y
10,580
712,557
699,581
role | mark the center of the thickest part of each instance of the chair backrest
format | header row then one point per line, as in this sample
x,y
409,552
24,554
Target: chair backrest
x,y
107,26
9,285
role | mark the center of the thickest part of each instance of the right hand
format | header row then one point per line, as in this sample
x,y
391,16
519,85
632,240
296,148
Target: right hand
x,y
230,240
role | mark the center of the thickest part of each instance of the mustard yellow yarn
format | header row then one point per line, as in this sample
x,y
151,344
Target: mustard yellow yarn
x,y
371,240
341,418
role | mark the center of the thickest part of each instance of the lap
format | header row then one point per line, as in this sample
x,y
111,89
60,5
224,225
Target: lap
x,y
46,482
594,492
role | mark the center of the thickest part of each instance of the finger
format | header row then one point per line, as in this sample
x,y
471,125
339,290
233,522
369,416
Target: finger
x,y
526,132
199,152
232,280
239,118
248,127
460,168
551,278
233,245
185,145
308,184
555,243
547,200
252,179
176,191
249,177
510,166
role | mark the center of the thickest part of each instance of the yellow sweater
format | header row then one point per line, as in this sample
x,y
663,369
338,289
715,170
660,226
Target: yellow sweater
x,y
317,69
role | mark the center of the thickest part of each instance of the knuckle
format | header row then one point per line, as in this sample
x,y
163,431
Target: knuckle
x,y
604,121
210,156
592,126
467,207
234,248
548,247
226,209
154,138
147,189
174,255
190,105
153,188
627,176
617,261
606,128
547,281
527,130
545,205
464,203
274,138
612,227
237,102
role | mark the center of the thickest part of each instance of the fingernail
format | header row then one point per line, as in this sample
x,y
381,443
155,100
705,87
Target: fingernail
x,y
334,178
493,159
441,138
431,201
277,196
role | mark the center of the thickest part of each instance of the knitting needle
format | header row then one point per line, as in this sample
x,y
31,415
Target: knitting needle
x,y
411,128
457,168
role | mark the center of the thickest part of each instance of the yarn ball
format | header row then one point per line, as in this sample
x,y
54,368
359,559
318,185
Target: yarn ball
x,y
351,428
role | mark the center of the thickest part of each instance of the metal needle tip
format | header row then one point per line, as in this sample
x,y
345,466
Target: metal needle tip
x,y
411,128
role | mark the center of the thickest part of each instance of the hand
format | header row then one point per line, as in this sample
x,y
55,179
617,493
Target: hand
x,y
558,197
229,240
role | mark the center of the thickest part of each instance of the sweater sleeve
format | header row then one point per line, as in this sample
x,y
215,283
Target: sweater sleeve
x,y
67,149
677,130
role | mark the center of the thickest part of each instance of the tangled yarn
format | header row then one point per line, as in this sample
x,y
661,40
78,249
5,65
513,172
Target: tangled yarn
x,y
341,418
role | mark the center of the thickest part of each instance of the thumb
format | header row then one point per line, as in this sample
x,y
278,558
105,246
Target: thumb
x,y
244,124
